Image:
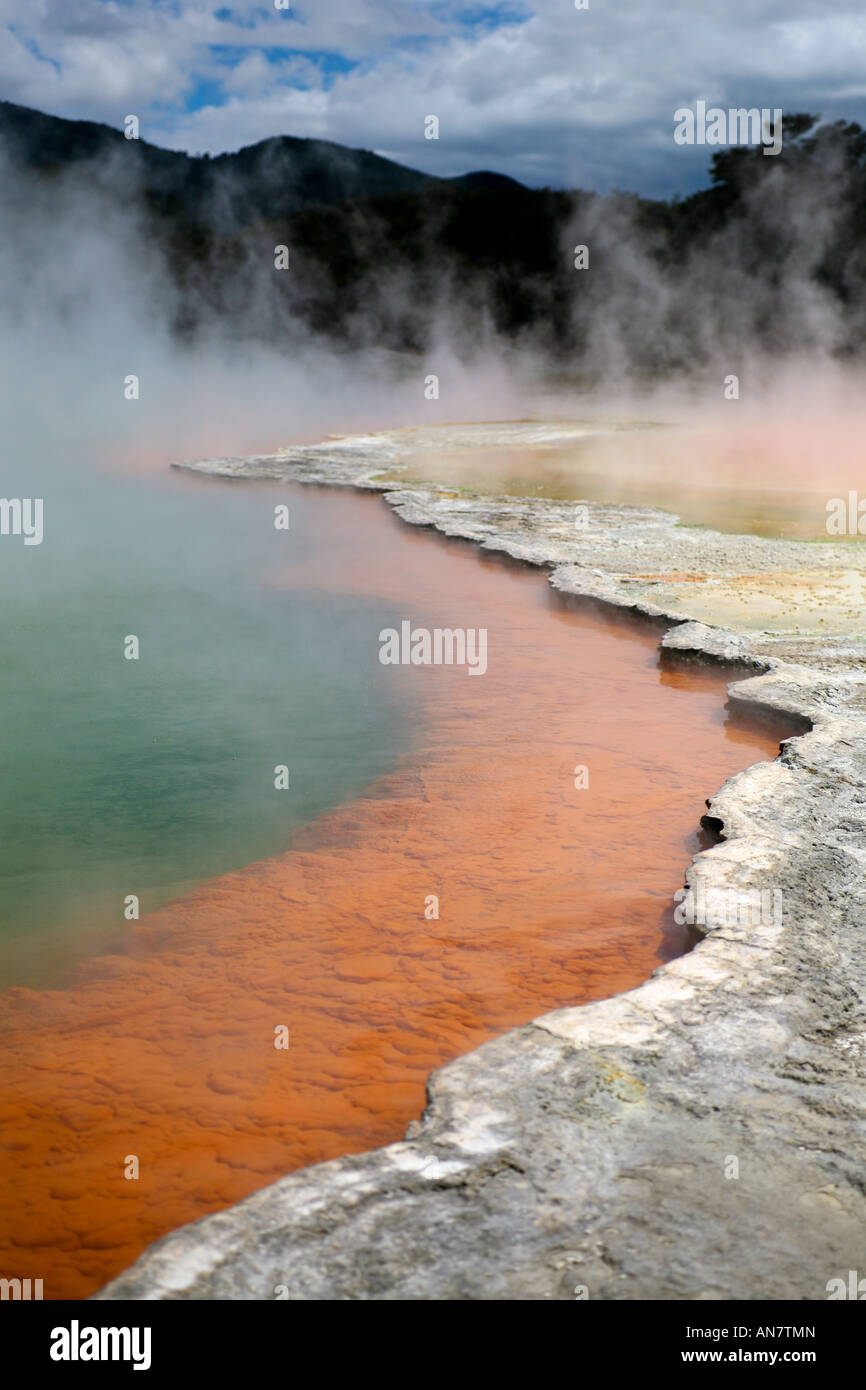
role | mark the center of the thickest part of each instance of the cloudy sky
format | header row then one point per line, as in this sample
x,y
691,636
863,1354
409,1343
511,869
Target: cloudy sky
x,y
535,88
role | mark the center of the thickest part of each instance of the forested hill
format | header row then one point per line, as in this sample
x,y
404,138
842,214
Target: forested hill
x,y
772,252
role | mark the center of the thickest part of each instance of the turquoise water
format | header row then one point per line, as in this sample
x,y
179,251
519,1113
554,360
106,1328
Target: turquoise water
x,y
144,777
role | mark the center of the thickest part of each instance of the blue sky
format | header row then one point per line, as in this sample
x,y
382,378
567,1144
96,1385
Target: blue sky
x,y
534,88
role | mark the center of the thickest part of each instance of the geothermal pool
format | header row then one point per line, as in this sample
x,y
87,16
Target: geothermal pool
x,y
772,480
432,876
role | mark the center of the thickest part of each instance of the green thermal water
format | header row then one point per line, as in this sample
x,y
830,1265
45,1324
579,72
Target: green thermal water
x,y
145,777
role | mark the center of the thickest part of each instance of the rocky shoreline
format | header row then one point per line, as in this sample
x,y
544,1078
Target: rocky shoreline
x,y
593,1152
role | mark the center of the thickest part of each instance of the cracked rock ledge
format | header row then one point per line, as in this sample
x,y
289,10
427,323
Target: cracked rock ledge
x,y
585,1154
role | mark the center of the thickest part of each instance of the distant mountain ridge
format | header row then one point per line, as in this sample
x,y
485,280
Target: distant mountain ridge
x,y
277,177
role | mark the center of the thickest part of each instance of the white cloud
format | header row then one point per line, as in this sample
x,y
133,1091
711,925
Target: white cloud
x,y
556,95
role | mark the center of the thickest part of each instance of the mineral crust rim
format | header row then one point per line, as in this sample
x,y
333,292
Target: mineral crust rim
x,y
699,1136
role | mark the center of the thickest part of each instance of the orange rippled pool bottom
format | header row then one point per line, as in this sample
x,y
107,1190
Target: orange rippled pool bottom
x,y
548,895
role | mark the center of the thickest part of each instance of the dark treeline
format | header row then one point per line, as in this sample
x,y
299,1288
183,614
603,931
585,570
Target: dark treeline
x,y
768,258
